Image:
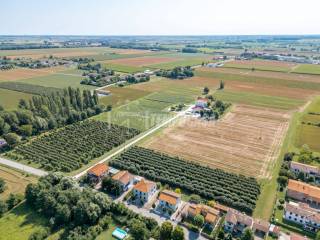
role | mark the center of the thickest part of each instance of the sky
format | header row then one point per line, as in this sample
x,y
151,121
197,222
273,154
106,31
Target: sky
x,y
159,17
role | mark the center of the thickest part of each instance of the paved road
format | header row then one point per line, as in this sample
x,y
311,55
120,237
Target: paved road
x,y
22,167
189,235
149,132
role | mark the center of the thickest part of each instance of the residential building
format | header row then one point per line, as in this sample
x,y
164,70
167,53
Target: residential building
x,y
302,214
274,231
294,236
124,178
303,192
202,102
236,222
97,172
210,214
309,170
169,201
261,227
144,189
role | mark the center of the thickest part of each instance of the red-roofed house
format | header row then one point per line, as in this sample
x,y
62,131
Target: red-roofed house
x,y
144,189
124,178
202,102
169,201
303,192
236,221
98,171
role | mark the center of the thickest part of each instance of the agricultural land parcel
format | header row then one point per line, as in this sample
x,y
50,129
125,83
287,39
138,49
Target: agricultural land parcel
x,y
246,141
16,181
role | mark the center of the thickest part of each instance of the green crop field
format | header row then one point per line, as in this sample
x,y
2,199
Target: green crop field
x,y
258,100
141,114
308,69
122,95
58,81
258,67
309,134
10,99
20,223
123,68
179,63
261,80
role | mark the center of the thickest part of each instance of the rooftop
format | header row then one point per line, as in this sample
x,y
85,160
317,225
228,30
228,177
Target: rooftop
x,y
123,176
304,167
304,210
304,188
144,186
169,197
99,169
235,217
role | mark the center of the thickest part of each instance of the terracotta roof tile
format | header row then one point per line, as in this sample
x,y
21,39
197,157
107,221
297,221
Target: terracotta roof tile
x,y
304,188
99,169
144,186
123,176
169,197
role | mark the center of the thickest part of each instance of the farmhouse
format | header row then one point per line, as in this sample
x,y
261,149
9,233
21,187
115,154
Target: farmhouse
x,y
210,214
124,178
261,227
302,214
144,189
303,192
169,201
309,170
202,102
97,172
236,222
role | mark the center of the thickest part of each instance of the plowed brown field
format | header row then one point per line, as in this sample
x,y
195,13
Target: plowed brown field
x,y
24,73
246,141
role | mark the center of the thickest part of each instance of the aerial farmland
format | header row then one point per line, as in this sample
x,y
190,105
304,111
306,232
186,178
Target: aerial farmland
x,y
165,137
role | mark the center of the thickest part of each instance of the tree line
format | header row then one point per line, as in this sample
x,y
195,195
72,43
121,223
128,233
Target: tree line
x,y
42,113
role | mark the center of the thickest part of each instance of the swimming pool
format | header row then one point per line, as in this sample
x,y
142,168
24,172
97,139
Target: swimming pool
x,y
119,233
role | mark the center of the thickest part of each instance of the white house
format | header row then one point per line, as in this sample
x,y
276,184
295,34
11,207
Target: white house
x,y
302,214
297,167
169,201
143,190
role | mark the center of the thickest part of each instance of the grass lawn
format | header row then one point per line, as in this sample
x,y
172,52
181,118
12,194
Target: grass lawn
x,y
107,235
308,69
179,63
141,114
257,67
262,80
122,95
309,134
20,223
9,99
258,100
16,181
58,81
123,68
